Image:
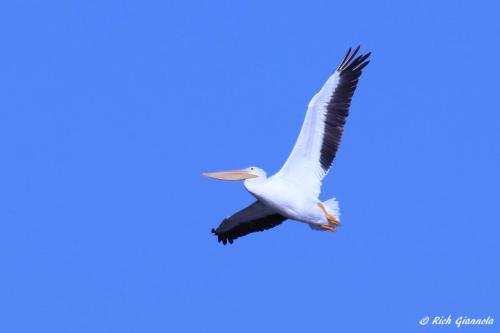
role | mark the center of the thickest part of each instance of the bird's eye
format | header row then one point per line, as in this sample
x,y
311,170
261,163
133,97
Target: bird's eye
x,y
252,168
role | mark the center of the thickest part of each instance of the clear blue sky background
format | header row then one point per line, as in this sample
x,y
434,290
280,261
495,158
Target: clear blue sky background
x,y
110,111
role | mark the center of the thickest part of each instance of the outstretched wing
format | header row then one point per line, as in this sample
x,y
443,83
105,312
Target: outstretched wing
x,y
256,217
321,132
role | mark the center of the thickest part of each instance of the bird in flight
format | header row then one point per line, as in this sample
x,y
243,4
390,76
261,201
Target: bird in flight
x,y
293,192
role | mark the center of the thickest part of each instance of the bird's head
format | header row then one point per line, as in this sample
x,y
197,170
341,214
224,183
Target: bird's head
x,y
240,174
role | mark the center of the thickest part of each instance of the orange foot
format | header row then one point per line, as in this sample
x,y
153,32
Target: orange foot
x,y
328,227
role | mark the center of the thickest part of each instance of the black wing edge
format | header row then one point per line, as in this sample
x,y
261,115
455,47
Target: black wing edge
x,y
228,230
350,70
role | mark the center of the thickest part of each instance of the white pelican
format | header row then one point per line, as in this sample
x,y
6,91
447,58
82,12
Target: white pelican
x,y
293,192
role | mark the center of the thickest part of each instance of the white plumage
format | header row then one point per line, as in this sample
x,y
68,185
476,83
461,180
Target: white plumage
x,y
304,160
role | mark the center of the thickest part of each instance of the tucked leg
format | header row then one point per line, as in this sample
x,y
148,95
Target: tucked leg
x,y
329,217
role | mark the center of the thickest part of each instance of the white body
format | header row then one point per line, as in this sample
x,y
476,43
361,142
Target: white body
x,y
291,200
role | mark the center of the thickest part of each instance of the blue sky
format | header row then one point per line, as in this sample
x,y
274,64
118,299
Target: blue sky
x,y
111,110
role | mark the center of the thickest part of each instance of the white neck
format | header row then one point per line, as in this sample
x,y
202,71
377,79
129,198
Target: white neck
x,y
251,183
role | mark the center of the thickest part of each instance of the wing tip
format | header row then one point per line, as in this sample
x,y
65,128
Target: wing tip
x,y
349,62
222,237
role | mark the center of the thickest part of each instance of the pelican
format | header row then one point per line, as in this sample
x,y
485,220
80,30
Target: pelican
x,y
293,192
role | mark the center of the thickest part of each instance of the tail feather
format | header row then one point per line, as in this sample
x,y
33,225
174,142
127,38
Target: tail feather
x,y
332,207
